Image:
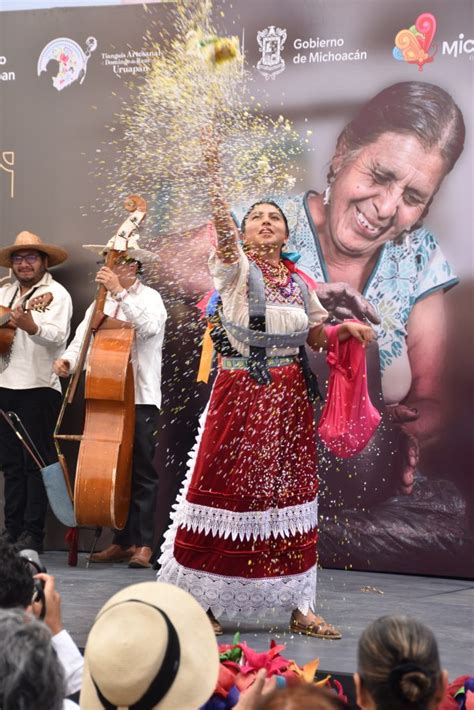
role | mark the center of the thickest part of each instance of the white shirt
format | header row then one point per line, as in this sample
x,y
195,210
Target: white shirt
x,y
32,356
231,280
142,306
71,660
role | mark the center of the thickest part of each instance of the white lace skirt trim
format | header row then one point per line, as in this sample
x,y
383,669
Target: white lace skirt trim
x,y
248,525
232,596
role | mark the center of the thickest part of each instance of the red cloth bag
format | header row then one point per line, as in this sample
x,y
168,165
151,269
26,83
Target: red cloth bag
x,y
349,418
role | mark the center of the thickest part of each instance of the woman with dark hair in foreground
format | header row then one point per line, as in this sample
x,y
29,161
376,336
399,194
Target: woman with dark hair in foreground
x,y
398,666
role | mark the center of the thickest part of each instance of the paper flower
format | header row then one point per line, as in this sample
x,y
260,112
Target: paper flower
x,y
239,664
271,660
459,694
213,49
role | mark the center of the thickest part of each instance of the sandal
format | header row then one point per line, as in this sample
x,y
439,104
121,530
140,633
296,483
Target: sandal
x,y
216,626
317,629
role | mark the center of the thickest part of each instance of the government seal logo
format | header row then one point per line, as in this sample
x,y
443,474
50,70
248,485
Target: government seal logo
x,y
271,42
65,61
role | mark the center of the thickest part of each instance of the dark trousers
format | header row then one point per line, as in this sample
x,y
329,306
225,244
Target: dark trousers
x,y
141,517
25,495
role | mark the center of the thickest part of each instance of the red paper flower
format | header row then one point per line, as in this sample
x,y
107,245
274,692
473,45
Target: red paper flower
x,y
271,660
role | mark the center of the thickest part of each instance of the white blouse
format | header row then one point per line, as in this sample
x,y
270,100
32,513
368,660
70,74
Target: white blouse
x,y
231,280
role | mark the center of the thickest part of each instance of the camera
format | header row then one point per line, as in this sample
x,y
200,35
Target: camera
x,y
34,565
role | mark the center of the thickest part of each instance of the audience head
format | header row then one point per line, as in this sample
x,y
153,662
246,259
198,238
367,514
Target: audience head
x,y
302,696
151,644
16,581
31,677
398,666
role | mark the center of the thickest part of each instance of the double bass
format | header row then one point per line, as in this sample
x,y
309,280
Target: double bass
x,y
102,485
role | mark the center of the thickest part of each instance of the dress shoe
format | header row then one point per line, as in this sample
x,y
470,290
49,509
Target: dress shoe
x,y
141,558
27,541
114,553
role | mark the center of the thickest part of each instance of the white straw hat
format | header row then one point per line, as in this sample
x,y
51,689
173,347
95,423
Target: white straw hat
x,y
132,248
151,642
28,240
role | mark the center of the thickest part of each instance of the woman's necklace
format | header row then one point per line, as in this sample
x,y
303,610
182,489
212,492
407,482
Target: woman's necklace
x,y
275,276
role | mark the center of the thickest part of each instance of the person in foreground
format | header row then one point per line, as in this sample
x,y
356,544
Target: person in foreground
x,y
151,646
16,592
243,538
30,672
141,308
300,696
398,666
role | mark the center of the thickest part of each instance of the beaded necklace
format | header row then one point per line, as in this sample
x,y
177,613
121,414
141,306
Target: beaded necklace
x,y
276,277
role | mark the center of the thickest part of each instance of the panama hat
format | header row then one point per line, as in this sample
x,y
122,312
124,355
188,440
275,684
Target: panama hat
x,y
131,246
153,646
28,240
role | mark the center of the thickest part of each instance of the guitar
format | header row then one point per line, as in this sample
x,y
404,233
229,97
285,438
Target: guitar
x,y
7,332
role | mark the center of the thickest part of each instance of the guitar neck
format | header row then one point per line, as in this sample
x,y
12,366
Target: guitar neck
x,y
6,313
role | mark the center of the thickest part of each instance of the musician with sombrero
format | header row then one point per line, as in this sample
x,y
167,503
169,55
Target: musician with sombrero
x,y
132,303
35,313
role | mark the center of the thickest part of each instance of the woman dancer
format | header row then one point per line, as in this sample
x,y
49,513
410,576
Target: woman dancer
x,y
243,539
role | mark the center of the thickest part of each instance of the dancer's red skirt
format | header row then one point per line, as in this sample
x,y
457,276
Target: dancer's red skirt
x,y
248,512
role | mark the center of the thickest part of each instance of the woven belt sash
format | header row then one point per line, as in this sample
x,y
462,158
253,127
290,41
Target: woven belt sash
x,y
241,363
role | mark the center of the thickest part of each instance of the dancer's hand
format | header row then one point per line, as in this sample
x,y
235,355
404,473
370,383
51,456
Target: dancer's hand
x,y
350,329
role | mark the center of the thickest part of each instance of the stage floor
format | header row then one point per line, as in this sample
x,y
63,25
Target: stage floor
x,y
347,599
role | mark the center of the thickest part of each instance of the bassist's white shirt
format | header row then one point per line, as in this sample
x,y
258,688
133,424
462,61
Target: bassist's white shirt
x,y
143,307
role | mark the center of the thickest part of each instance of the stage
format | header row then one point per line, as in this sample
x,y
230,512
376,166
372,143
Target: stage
x,y
347,599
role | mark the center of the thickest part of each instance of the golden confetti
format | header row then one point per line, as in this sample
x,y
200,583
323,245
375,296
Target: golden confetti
x,y
372,590
196,78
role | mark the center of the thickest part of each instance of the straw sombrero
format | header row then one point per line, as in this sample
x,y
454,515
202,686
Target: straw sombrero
x,y
28,240
151,642
131,246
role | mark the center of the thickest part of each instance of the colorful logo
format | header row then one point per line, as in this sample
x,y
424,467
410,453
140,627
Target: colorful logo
x,y
271,42
65,61
415,45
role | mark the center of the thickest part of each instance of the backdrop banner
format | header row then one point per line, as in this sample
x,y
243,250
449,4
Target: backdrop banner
x,y
85,122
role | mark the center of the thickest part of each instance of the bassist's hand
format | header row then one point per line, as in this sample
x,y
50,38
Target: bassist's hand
x,y
106,277
61,367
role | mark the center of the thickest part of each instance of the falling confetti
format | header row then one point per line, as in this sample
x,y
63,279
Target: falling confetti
x,y
197,78
371,590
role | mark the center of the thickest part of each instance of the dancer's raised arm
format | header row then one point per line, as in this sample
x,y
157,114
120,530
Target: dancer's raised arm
x,y
227,234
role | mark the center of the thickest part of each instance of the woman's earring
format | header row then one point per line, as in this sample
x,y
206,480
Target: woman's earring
x,y
327,196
